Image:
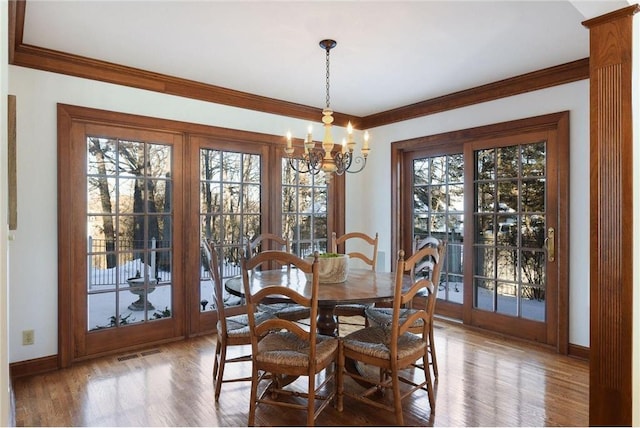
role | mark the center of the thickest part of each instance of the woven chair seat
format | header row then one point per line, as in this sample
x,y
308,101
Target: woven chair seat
x,y
374,342
382,316
287,311
287,349
238,325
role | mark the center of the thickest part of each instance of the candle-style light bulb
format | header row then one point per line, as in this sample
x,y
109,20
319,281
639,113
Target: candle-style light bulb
x,y
309,133
351,143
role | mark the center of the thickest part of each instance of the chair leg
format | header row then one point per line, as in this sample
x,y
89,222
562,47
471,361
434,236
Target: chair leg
x,y
340,377
427,376
216,359
311,404
254,396
397,401
223,357
432,351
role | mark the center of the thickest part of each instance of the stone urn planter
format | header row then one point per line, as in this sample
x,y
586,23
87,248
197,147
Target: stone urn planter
x,y
142,303
332,267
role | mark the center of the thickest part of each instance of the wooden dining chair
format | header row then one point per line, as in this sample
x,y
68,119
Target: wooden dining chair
x,y
230,330
282,349
270,241
426,267
394,348
355,309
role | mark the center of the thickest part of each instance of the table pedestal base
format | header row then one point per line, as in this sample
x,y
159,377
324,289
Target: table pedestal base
x,y
327,323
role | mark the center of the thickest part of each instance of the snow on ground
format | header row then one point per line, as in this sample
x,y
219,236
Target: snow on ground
x,y
104,298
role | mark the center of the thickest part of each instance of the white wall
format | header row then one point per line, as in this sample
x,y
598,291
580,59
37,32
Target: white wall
x,y
33,255
372,185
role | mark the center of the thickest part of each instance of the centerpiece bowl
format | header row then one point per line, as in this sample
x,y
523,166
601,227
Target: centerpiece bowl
x,y
332,267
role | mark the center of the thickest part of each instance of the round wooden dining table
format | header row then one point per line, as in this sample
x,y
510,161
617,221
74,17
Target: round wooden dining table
x,y
361,286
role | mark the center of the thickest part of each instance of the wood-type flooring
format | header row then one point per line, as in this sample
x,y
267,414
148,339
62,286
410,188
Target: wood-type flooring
x,y
485,380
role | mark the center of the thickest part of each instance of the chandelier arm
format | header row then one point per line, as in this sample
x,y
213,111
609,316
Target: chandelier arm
x,y
343,162
309,170
311,162
358,160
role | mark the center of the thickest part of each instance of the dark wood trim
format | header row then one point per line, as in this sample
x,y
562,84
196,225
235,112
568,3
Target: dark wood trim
x,y
63,63
34,366
495,130
74,65
12,172
12,405
611,212
623,13
16,26
337,215
397,183
562,187
65,269
540,79
577,351
449,309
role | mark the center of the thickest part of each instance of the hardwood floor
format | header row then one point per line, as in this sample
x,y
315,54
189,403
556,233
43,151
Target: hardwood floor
x,y
485,380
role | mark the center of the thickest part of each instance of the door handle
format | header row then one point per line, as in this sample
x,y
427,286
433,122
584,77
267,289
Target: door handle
x,y
550,242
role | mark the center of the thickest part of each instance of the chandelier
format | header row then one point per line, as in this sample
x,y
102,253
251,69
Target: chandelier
x,y
341,160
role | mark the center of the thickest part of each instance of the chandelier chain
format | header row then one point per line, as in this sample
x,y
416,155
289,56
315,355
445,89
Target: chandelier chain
x,y
328,99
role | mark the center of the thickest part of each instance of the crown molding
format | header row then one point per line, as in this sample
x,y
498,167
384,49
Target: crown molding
x,y
540,79
73,65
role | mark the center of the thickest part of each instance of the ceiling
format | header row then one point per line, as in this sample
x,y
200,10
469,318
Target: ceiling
x,y
389,54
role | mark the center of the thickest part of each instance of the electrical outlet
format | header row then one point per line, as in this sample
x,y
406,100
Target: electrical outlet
x,y
28,337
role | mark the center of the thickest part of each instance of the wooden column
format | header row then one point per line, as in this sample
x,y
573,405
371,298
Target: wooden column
x,y
611,209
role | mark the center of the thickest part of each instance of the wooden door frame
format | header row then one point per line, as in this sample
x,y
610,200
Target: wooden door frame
x,y
556,122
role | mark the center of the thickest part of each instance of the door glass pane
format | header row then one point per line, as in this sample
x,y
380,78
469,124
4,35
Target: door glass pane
x,y
129,226
507,301
304,210
507,162
230,212
509,263
438,211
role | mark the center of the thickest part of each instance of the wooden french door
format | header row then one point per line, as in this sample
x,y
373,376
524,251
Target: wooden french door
x,y
498,196
511,281
120,211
